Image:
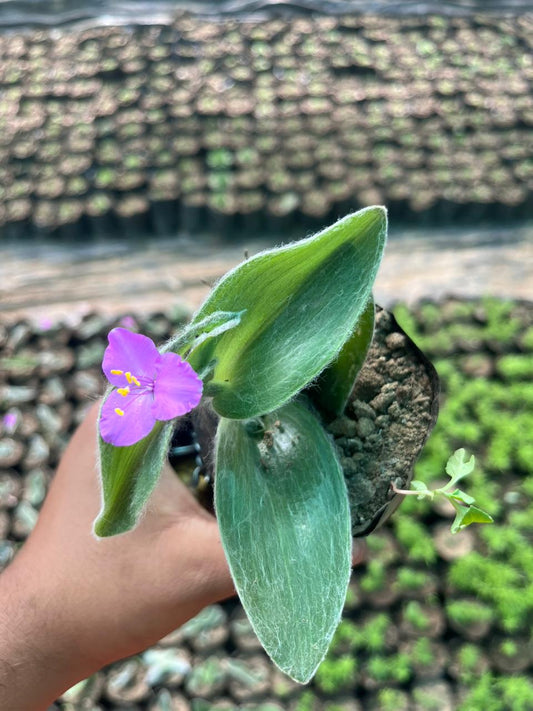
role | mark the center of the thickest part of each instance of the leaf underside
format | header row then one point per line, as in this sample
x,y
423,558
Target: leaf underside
x,y
284,520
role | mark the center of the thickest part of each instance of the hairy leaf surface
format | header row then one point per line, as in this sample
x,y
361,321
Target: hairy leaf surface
x,y
284,519
299,304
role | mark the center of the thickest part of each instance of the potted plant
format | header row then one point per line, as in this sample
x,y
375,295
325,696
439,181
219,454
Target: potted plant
x,y
271,444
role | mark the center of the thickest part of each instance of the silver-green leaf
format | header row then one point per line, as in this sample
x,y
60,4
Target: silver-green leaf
x,y
283,512
128,477
300,304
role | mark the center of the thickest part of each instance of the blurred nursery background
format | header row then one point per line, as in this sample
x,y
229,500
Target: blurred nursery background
x,y
145,147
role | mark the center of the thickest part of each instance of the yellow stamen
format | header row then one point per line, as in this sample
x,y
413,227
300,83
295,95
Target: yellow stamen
x,y
117,372
119,411
123,391
132,379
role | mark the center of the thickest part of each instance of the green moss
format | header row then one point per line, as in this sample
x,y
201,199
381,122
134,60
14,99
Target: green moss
x,y
468,658
416,539
491,693
374,578
374,633
394,668
422,652
516,367
425,699
391,699
415,615
410,579
501,585
335,674
306,702
527,338
467,612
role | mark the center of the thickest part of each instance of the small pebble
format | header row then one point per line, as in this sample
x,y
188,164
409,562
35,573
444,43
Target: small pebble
x,y
56,362
52,392
343,426
24,519
37,453
12,395
365,427
395,340
10,490
363,409
11,452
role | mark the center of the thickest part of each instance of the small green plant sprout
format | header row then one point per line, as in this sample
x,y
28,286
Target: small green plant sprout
x,y
457,468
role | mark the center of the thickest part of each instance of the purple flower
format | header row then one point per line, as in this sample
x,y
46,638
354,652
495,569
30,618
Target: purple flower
x,y
128,322
150,386
9,422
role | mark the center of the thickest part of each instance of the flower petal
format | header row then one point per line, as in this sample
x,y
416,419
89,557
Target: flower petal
x,y
177,388
130,427
129,352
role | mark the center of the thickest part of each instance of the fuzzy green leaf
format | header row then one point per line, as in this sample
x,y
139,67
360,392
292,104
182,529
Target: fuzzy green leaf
x,y
461,497
457,467
194,334
283,513
418,485
301,303
467,515
334,385
128,477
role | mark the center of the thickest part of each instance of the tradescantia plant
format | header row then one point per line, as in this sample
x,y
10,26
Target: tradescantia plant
x,y
292,316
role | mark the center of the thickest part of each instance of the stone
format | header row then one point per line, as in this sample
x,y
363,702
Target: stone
x,y
85,693
5,524
208,630
19,367
283,687
167,666
90,355
395,341
19,335
37,453
51,423
7,552
53,391
207,677
10,489
35,486
13,395
451,546
11,452
86,385
167,701
433,696
24,520
248,677
56,362
362,409
92,325
29,425
343,427
242,633
126,682
365,427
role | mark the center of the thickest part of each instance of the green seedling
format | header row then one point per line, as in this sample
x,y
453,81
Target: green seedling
x,y
465,507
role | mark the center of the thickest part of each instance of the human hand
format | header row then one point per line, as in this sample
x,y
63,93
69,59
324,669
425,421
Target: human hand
x,y
80,602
